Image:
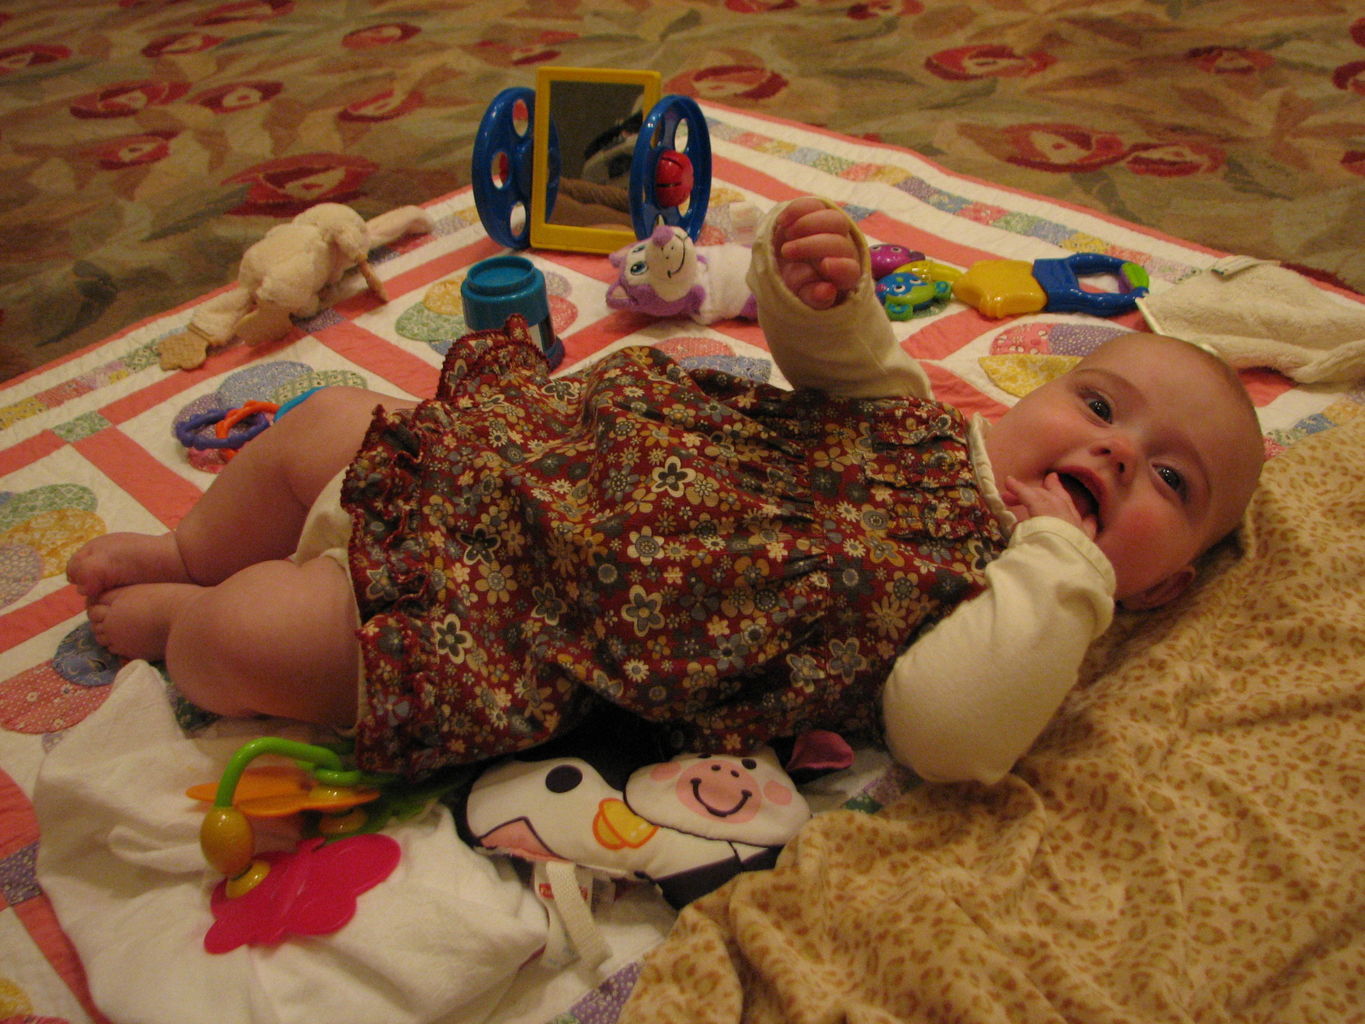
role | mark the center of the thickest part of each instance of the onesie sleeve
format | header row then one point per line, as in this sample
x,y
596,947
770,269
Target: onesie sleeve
x,y
968,698
848,350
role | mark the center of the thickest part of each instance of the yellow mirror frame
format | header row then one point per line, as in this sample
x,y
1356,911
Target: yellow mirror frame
x,y
544,233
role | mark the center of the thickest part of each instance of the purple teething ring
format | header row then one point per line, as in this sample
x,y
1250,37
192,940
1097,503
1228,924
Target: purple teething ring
x,y
187,431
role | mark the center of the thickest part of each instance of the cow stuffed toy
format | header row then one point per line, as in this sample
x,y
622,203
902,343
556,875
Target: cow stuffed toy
x,y
685,825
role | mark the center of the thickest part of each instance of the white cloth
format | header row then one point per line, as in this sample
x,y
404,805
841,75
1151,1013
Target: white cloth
x,y
120,859
1254,313
969,697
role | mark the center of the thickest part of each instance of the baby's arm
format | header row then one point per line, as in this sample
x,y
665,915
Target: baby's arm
x,y
817,304
970,696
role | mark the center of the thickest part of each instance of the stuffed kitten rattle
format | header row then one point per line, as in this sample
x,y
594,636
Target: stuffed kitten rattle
x,y
667,274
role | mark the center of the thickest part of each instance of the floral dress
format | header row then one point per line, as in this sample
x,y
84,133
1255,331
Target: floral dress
x,y
726,560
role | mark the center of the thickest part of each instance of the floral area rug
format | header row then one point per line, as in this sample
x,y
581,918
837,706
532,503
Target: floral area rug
x,y
145,144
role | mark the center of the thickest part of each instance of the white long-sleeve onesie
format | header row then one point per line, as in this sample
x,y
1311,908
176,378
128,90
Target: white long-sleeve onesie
x,y
969,697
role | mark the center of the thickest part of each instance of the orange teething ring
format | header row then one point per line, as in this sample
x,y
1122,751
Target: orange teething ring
x,y
236,416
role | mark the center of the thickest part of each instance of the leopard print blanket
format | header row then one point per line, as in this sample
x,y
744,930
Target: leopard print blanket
x,y
1183,843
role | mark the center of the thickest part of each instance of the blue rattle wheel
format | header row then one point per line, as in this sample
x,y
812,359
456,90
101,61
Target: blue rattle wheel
x,y
501,167
659,139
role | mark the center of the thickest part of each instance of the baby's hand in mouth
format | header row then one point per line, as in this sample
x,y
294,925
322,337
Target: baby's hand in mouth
x,y
1063,499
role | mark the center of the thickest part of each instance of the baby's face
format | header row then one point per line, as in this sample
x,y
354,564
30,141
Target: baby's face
x,y
1154,448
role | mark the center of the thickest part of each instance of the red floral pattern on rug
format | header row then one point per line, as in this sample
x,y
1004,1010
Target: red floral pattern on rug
x,y
965,63
127,99
150,142
379,35
284,188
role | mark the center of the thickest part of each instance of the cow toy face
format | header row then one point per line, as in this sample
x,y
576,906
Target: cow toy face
x,y
740,799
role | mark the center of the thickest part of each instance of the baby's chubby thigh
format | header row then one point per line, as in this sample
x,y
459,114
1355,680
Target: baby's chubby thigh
x,y
322,434
276,638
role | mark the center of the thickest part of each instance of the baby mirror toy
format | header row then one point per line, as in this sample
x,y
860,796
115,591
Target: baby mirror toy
x,y
589,161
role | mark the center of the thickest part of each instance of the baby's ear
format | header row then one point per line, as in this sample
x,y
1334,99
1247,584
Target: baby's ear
x,y
1161,593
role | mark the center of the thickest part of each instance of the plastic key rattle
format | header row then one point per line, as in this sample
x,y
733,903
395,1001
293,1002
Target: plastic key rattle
x,y
1059,279
1000,288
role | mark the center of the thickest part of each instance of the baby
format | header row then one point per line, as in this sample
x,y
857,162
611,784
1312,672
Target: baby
x,y
474,574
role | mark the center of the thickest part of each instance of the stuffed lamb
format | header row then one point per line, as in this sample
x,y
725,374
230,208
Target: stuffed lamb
x,y
297,269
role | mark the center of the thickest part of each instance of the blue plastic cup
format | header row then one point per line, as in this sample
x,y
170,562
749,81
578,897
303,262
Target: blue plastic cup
x,y
499,286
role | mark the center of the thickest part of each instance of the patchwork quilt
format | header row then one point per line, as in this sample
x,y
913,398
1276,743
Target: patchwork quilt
x,y
89,445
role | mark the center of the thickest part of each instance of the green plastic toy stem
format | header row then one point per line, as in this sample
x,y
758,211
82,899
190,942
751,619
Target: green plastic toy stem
x,y
248,752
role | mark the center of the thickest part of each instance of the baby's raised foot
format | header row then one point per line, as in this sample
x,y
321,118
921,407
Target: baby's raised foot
x,y
122,559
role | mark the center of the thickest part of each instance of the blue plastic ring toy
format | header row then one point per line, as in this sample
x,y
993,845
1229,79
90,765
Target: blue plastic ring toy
x,y
1059,279
501,197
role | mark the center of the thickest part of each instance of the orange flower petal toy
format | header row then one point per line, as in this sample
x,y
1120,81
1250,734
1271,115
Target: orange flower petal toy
x,y
325,785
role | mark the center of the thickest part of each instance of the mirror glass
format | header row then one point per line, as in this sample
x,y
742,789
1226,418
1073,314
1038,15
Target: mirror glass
x,y
593,122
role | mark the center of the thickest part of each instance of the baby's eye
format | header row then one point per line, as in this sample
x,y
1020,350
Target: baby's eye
x,y
1172,478
1100,407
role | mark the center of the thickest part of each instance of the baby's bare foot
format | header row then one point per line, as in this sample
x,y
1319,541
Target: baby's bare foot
x,y
122,559
134,621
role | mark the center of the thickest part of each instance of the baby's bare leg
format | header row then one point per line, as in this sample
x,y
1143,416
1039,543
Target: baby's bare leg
x,y
254,509
275,638
134,621
253,512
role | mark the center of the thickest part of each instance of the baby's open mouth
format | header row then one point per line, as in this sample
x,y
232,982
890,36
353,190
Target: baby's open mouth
x,y
1087,505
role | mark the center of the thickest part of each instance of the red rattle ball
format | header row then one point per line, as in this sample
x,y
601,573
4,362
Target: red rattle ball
x,y
672,178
